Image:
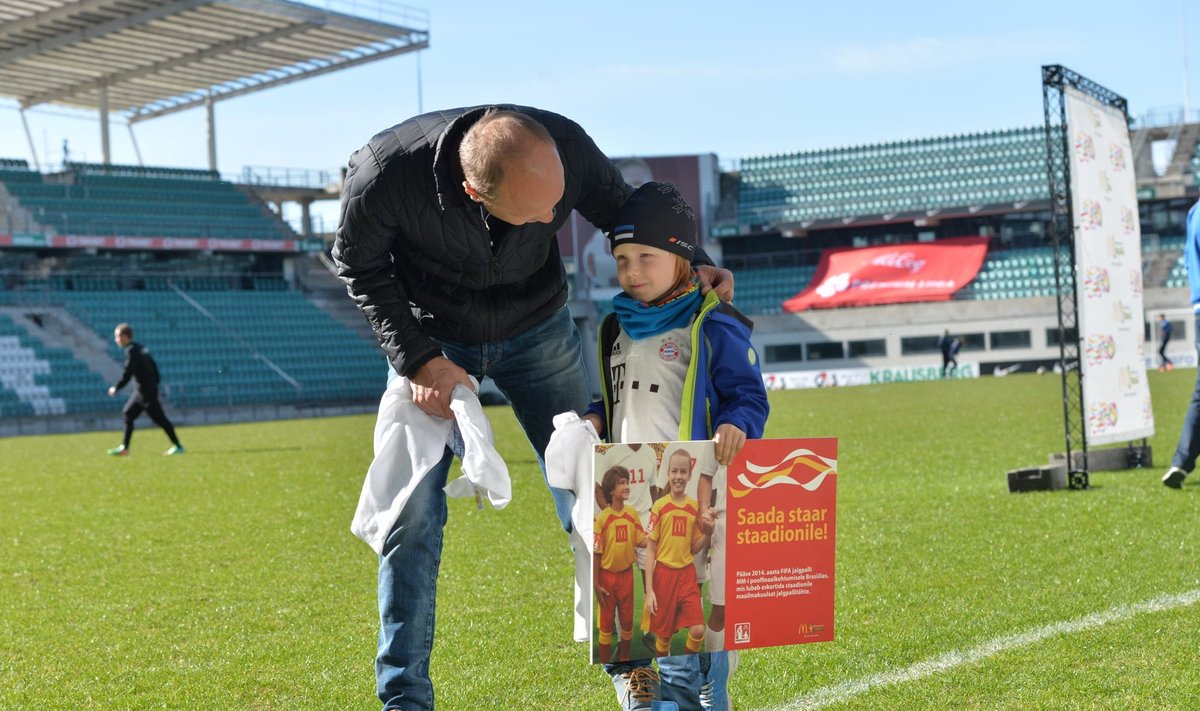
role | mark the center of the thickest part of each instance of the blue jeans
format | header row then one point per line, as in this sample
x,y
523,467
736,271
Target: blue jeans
x,y
541,372
1189,439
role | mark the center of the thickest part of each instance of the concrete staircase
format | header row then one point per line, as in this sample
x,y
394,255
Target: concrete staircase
x,y
55,327
315,277
1156,267
1181,160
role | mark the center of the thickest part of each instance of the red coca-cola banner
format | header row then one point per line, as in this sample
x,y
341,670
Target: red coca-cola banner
x,y
892,274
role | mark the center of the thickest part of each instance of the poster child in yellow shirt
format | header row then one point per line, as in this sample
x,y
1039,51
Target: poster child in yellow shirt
x,y
677,534
617,533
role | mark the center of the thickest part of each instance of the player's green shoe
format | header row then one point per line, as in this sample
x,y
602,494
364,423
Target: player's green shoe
x,y
177,449
121,451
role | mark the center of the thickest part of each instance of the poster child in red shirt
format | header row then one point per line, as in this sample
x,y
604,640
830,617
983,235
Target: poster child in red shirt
x,y
677,534
617,533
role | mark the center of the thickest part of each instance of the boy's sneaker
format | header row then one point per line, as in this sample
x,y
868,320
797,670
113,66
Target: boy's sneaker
x,y
177,449
637,687
1174,478
715,670
121,451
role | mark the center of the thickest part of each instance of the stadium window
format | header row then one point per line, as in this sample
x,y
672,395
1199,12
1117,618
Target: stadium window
x,y
826,350
785,352
865,349
1150,329
1052,336
916,345
1009,339
970,341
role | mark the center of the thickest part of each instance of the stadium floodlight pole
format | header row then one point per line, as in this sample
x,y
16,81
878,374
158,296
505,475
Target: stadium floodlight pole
x,y
133,139
29,139
1187,88
420,89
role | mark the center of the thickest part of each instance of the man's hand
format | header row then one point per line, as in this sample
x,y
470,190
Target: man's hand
x,y
597,424
729,440
112,391
716,278
434,382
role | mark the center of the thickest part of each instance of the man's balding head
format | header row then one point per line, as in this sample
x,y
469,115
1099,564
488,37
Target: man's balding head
x,y
511,165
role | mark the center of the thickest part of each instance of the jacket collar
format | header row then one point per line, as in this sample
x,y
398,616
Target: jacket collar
x,y
447,172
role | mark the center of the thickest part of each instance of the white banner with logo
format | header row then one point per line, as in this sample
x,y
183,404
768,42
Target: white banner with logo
x,y
1108,257
842,377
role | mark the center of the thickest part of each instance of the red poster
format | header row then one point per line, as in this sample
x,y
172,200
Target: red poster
x,y
781,517
757,561
892,274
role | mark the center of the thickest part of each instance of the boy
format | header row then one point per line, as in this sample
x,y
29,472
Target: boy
x,y
618,532
677,534
676,365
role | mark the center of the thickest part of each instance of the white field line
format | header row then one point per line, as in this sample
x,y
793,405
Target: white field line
x,y
839,693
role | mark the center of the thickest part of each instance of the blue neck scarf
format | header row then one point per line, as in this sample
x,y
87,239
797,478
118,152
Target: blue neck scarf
x,y
640,320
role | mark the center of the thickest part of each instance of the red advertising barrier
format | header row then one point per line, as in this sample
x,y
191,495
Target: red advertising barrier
x,y
892,274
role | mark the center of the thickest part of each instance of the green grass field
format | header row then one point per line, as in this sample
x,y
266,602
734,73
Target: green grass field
x,y
228,578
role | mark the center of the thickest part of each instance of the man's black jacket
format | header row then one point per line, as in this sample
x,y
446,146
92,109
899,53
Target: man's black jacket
x,y
409,237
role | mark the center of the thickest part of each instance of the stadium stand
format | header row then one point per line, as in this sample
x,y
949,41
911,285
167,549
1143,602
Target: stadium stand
x,y
137,201
226,331
907,176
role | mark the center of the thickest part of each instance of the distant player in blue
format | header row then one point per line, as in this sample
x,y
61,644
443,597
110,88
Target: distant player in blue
x,y
949,347
1164,337
1188,448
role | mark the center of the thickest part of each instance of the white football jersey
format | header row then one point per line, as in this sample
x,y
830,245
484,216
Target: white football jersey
x,y
643,470
647,377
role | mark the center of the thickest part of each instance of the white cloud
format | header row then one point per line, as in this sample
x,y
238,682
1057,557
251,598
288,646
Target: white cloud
x,y
926,53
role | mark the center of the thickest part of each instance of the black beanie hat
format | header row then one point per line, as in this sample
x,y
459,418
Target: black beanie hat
x,y
657,215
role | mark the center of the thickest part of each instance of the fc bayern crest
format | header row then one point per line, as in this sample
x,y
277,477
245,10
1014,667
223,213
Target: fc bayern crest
x,y
668,351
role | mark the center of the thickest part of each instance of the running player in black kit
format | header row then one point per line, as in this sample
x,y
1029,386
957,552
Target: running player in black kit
x,y
141,368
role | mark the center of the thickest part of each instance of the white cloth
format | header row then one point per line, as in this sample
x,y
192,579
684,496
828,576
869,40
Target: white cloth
x,y
569,458
409,443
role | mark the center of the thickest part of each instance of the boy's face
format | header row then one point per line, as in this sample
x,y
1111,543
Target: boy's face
x,y
646,273
678,473
121,339
620,492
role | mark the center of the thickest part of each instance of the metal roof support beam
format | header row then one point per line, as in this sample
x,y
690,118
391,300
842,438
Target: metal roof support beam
x,y
210,122
62,12
332,66
216,50
333,20
90,33
105,146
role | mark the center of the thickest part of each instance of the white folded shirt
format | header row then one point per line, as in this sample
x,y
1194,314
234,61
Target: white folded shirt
x,y
409,443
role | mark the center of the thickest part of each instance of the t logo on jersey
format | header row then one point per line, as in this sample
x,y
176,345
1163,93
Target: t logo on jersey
x,y
679,526
618,382
622,534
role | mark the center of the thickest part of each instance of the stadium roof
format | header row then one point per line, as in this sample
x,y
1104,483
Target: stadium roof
x,y
148,58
